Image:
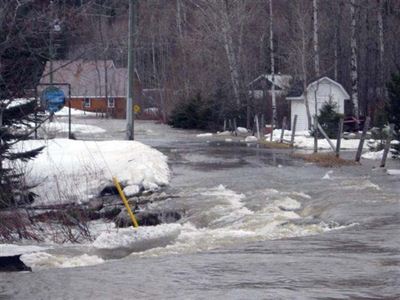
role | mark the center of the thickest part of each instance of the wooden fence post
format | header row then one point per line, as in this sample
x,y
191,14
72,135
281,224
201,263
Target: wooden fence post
x,y
361,144
262,123
257,126
326,137
235,126
339,137
283,129
315,134
293,131
224,125
387,146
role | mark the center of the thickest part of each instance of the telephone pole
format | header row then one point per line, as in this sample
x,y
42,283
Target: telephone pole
x,y
131,72
51,33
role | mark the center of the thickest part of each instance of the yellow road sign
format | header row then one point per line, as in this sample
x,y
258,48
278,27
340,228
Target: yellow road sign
x,y
136,109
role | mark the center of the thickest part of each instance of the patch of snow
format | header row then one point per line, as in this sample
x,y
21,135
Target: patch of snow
x,y
394,142
151,110
71,170
375,155
394,172
74,112
19,101
131,190
76,128
224,133
250,139
228,140
204,135
11,249
241,130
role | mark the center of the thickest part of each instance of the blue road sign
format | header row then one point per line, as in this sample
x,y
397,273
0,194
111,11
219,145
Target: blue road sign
x,y
52,99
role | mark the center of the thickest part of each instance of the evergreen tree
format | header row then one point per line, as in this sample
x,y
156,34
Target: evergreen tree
x,y
328,118
393,109
14,115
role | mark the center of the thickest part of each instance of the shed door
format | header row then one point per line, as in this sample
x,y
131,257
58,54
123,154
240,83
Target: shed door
x,y
299,108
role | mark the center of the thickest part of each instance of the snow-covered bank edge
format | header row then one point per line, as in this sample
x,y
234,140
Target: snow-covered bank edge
x,y
76,171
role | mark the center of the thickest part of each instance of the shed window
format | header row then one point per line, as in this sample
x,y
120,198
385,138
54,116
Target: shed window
x,y
111,102
86,102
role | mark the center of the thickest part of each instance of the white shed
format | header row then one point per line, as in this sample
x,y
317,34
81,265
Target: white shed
x,y
324,90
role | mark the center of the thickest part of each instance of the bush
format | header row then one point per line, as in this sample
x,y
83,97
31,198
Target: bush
x,y
192,114
329,119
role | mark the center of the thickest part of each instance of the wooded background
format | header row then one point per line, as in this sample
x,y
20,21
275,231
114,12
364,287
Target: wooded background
x,y
210,47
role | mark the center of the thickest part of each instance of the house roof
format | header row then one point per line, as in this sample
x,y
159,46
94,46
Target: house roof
x,y
282,82
296,91
87,77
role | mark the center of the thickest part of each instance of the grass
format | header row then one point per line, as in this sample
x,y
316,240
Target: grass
x,y
274,145
327,160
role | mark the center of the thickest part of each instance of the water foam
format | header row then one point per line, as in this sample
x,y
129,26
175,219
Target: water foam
x,y
218,217
44,260
121,242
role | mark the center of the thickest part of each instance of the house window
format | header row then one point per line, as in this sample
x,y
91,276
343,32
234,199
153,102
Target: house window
x,y
86,102
111,102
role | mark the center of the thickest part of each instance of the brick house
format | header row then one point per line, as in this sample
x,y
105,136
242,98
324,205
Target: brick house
x,y
96,86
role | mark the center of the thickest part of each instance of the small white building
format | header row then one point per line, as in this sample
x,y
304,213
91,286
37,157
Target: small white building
x,y
323,90
263,83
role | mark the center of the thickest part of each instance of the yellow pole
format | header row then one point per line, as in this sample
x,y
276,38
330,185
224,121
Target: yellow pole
x,y
122,195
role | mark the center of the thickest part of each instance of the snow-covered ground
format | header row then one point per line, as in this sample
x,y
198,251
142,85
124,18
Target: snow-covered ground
x,y
303,140
74,112
55,127
71,170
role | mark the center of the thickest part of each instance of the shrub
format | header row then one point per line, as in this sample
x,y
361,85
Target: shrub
x,y
191,114
328,118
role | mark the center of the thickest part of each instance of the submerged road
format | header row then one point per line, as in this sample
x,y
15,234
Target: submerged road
x,y
258,225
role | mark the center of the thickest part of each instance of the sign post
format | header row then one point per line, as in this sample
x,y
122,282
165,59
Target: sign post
x,y
53,99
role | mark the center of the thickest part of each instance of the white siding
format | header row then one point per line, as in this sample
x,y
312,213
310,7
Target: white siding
x,y
326,90
298,108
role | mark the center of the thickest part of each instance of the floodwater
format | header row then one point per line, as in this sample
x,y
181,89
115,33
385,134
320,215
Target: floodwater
x,y
257,224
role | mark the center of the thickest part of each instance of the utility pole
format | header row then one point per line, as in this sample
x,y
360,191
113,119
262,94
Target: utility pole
x,y
131,72
51,41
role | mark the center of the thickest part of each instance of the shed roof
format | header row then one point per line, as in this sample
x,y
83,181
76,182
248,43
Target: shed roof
x,y
296,91
282,82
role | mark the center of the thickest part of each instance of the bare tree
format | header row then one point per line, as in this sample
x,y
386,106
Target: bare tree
x,y
271,43
354,69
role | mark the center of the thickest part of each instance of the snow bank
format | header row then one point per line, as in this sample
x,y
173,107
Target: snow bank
x,y
74,112
11,250
71,170
305,141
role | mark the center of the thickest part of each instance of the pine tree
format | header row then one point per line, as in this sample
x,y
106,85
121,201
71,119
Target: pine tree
x,y
13,117
328,118
393,109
